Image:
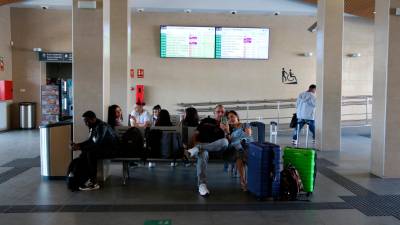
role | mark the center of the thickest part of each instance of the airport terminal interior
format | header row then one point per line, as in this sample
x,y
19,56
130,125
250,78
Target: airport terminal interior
x,y
246,67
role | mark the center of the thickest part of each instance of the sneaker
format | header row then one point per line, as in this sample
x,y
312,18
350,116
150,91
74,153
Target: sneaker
x,y
294,142
174,164
152,164
193,152
203,190
89,186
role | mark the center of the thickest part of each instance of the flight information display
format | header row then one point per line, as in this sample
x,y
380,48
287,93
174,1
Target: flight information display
x,y
187,42
241,43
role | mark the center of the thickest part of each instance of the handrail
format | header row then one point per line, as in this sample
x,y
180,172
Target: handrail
x,y
278,105
245,102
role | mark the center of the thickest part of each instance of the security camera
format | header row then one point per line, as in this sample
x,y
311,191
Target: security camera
x,y
233,12
276,13
187,10
44,7
140,10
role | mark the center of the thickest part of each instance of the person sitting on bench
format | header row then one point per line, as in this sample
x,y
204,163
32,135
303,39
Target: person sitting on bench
x,y
102,143
209,137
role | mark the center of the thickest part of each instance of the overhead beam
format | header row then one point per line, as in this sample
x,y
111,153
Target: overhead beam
x,y
363,8
5,2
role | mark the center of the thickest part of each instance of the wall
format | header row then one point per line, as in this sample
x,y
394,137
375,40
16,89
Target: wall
x,y
170,81
50,30
6,54
5,38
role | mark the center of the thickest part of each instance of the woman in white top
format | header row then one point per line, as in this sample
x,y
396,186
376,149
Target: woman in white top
x,y
140,117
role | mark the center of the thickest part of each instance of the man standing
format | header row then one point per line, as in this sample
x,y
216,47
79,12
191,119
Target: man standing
x,y
305,112
102,143
210,137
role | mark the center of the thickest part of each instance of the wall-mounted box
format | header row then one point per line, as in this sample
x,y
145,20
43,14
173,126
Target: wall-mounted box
x,y
6,90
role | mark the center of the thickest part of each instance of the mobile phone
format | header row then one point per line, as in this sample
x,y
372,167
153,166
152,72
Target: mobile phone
x,y
224,120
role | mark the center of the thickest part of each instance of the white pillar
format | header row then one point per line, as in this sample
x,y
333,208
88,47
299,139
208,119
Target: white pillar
x,y
117,21
87,74
386,97
329,74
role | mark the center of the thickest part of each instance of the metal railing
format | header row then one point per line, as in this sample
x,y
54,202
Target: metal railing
x,y
281,110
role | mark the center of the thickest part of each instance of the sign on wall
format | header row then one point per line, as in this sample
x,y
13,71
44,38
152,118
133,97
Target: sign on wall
x,y
55,56
140,73
2,66
288,78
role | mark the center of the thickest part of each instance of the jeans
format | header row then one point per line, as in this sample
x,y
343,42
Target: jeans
x,y
202,157
301,123
94,152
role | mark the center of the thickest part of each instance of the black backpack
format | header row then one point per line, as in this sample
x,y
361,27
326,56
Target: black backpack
x,y
132,143
291,184
293,121
77,174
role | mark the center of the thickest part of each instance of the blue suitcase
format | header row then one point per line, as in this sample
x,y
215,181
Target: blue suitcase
x,y
258,131
263,166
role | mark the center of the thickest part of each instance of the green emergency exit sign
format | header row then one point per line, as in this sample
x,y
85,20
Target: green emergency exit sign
x,y
157,222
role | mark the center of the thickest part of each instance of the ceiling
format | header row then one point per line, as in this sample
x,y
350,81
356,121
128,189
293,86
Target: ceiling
x,y
285,7
362,8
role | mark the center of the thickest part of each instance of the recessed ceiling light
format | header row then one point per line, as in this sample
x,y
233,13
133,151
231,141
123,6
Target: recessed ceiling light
x,y
187,10
139,10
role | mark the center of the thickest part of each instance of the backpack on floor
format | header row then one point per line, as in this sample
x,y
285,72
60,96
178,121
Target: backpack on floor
x,y
291,184
78,174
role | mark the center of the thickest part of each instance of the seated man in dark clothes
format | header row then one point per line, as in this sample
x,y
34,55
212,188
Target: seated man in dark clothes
x,y
209,137
102,143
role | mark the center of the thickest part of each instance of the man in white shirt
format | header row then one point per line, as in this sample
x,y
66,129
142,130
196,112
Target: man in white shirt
x,y
140,117
305,111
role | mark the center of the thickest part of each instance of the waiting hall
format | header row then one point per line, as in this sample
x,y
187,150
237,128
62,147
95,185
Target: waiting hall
x,y
199,112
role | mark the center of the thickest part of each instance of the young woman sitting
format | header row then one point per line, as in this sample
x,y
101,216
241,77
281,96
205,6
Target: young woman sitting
x,y
240,133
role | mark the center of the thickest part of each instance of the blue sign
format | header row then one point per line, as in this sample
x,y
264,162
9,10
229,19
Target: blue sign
x,y
55,56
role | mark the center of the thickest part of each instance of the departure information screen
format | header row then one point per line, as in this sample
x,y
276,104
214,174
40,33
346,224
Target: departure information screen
x,y
187,42
241,43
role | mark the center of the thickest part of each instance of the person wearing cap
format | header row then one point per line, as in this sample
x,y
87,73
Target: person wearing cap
x,y
139,117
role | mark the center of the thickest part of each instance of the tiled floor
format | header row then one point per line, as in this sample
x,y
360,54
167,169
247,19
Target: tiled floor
x,y
344,192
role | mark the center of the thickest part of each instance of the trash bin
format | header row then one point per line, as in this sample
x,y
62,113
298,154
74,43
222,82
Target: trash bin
x,y
27,115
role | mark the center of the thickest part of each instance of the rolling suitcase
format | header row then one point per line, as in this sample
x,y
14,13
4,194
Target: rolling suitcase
x,y
263,169
304,160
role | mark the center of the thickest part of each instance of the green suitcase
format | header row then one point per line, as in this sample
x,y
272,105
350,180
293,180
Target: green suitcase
x,y
304,160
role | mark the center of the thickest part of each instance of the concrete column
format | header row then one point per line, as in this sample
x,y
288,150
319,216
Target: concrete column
x,y
87,41
329,74
386,97
117,21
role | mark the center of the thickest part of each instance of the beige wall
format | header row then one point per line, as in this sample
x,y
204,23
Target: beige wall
x,y
50,30
5,38
170,81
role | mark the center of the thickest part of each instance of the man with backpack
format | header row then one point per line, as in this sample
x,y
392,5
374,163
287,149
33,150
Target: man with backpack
x,y
210,137
305,106
102,143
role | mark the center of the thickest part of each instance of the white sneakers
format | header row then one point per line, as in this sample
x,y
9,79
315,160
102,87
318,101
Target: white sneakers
x,y
193,151
203,190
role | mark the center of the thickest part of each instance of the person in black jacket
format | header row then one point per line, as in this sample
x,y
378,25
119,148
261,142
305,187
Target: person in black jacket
x,y
209,137
102,143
